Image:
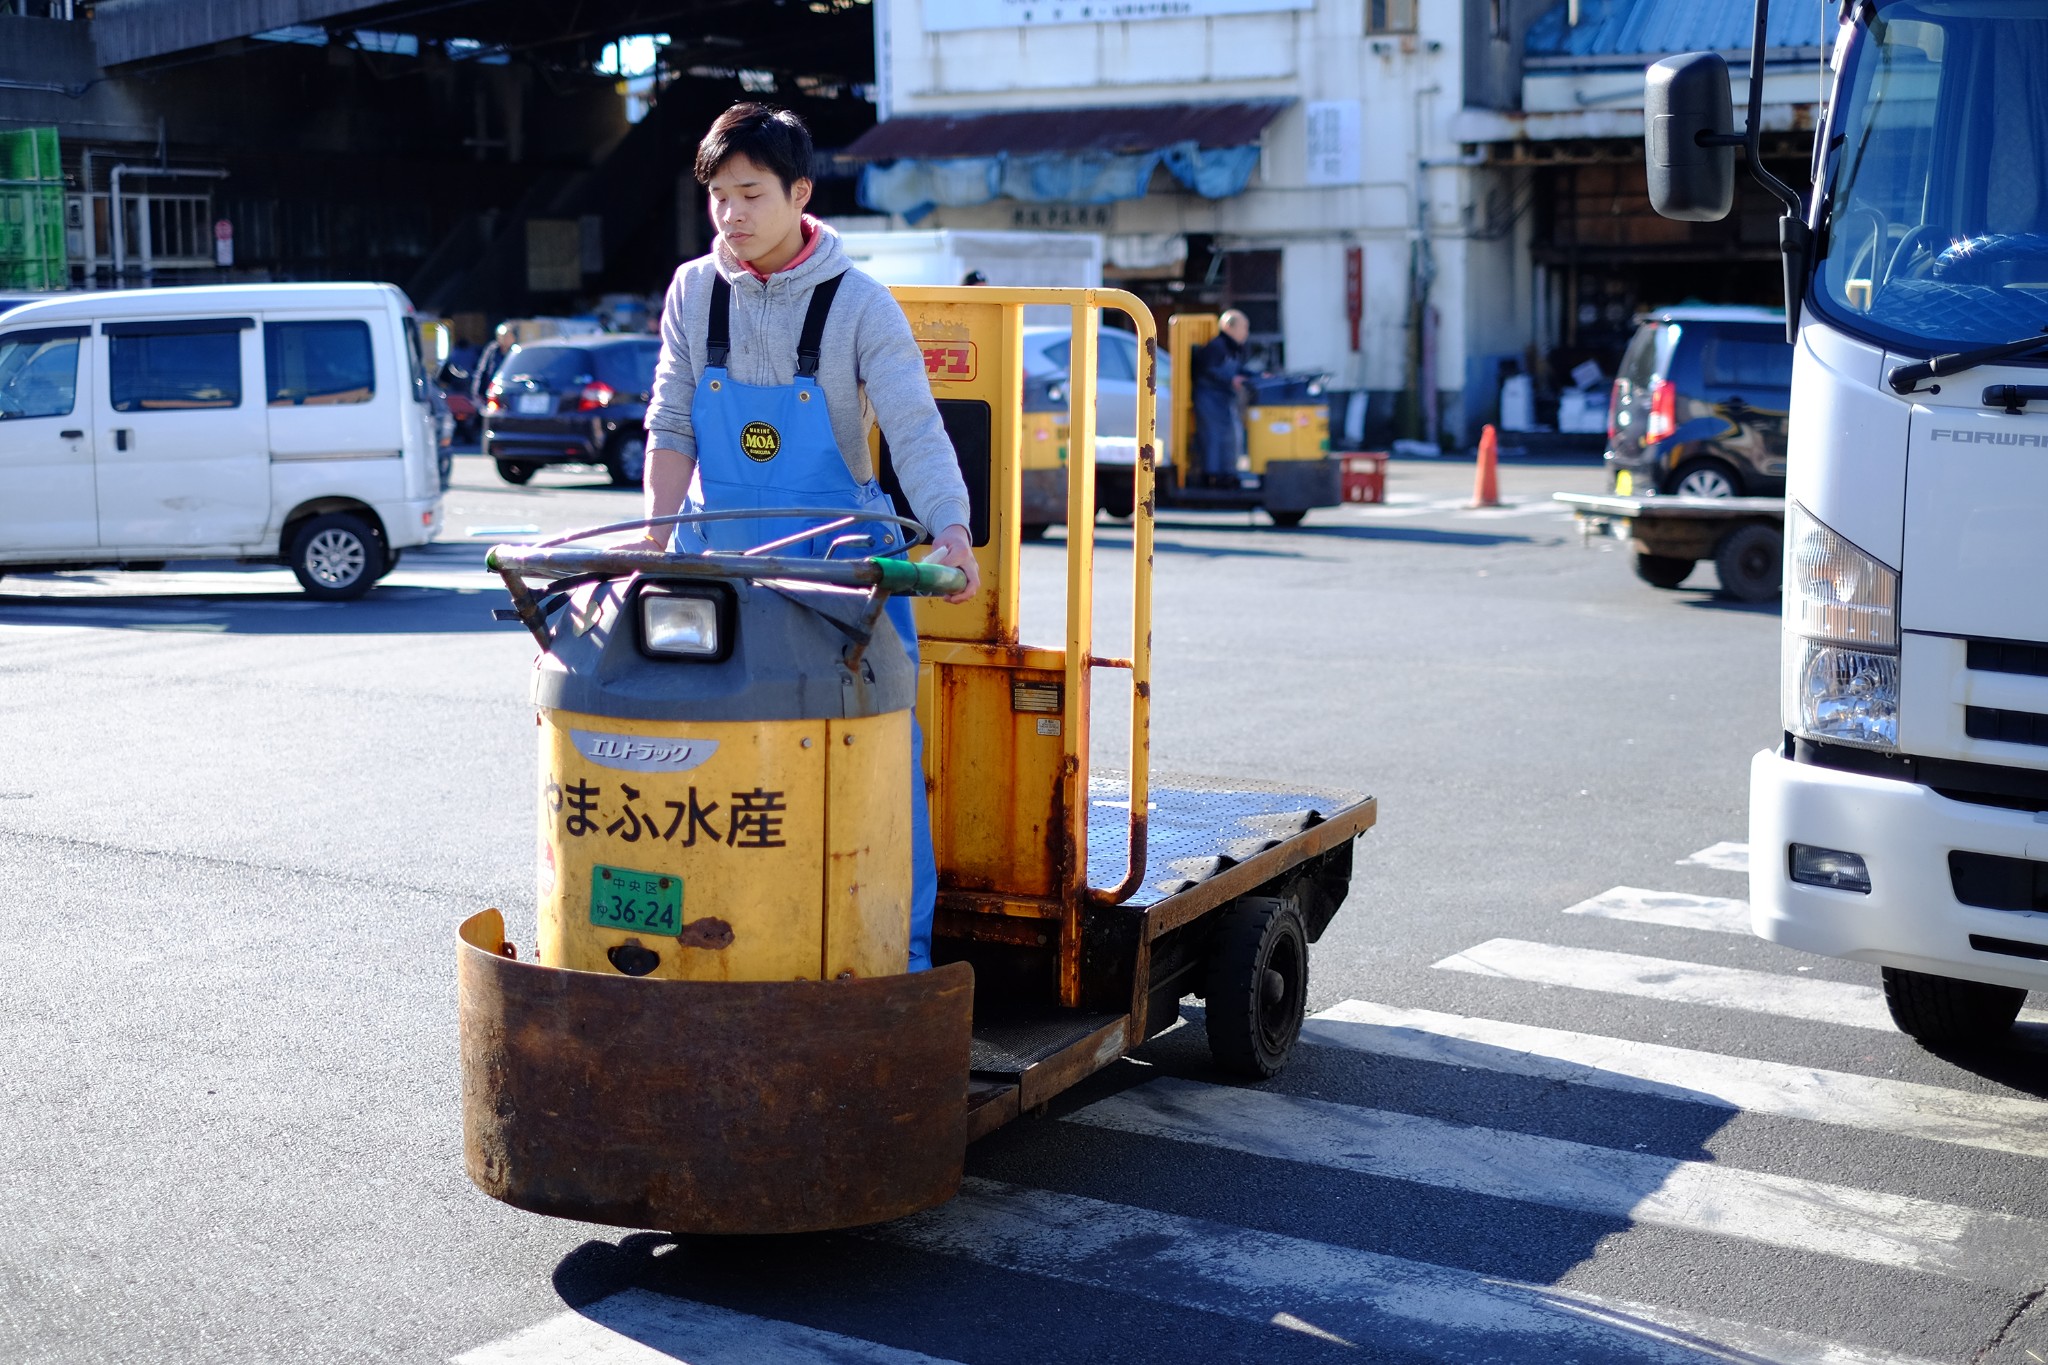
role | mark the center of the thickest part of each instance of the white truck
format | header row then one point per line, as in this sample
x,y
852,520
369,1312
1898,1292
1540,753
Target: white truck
x,y
1903,818
948,256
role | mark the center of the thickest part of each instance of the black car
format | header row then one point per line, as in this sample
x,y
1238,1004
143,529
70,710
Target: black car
x,y
1700,403
577,401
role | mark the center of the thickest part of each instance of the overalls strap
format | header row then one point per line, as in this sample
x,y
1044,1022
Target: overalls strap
x,y
810,343
718,335
812,340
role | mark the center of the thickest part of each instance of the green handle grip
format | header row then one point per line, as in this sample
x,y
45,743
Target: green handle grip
x,y
919,580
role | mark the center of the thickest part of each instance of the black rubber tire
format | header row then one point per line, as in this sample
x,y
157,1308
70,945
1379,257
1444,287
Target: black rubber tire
x,y
625,459
1034,530
1116,494
1941,1009
336,556
1706,465
1751,562
1663,571
1257,985
515,471
1287,520
391,558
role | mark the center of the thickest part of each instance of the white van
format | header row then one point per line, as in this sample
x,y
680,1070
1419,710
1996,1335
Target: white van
x,y
256,422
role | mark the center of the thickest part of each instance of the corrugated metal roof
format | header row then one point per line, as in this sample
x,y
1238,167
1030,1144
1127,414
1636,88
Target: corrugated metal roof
x,y
1112,129
1657,28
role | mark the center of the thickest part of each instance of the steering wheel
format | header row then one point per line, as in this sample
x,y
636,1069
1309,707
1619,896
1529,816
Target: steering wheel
x,y
565,566
1916,253
1971,256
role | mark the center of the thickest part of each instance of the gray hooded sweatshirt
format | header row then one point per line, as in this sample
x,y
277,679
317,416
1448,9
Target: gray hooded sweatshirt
x,y
872,368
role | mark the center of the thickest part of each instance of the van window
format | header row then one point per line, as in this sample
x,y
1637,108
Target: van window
x,y
419,364
1734,362
151,370
38,373
1639,362
318,362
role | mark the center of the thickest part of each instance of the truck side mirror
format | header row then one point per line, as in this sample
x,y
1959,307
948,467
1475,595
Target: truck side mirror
x,y
1688,139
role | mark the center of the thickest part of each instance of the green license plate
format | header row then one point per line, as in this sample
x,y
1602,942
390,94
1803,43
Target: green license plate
x,y
621,898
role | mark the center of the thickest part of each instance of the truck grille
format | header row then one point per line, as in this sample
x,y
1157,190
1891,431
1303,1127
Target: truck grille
x,y
1991,882
2007,727
2008,656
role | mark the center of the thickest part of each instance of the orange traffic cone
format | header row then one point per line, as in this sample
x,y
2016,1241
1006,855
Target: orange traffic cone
x,y
1486,477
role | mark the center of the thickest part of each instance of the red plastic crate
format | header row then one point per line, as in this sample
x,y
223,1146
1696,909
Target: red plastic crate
x,y
1365,476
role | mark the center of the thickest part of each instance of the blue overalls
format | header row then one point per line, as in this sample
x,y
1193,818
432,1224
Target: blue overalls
x,y
773,447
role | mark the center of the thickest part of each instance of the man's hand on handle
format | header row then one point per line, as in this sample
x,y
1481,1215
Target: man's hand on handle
x,y
952,547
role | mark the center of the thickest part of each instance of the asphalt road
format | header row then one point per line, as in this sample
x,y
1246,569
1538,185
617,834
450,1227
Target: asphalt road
x,y
237,829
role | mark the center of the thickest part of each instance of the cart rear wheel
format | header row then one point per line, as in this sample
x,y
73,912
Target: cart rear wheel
x,y
515,471
1663,571
1941,1009
1116,493
1287,520
1034,530
1751,562
1258,985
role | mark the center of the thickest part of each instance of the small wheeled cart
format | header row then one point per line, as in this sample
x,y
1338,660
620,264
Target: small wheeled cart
x,y
715,1031
1745,537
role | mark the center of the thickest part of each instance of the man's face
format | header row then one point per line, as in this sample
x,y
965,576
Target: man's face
x,y
1237,329
751,210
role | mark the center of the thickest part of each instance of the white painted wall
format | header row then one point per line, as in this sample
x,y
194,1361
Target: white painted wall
x,y
1410,93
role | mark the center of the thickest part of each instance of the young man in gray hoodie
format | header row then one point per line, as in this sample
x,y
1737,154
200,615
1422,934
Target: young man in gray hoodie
x,y
777,357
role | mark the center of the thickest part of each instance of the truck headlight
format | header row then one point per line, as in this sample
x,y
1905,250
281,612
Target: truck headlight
x,y
1842,651
686,622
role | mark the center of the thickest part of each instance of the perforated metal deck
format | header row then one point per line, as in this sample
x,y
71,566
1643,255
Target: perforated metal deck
x,y
1199,826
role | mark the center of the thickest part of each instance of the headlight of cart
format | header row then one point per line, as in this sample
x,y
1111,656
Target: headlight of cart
x,y
1842,666
684,623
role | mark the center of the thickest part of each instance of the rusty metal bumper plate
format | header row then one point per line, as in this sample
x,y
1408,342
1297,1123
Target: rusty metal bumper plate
x,y
710,1107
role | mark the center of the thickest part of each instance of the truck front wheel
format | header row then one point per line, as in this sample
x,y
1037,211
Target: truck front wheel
x,y
1941,1009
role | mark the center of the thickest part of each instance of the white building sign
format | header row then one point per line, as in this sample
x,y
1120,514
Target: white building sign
x,y
1333,150
952,16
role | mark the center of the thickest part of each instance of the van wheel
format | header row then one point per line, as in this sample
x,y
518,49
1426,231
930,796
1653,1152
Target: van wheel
x,y
1663,571
515,471
1257,985
626,461
337,556
1705,479
1941,1009
1751,562
391,558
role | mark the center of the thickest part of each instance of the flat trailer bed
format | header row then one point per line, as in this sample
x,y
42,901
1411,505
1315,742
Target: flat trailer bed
x,y
1745,537
1210,841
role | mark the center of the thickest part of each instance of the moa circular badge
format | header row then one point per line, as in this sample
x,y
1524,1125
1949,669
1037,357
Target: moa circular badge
x,y
760,441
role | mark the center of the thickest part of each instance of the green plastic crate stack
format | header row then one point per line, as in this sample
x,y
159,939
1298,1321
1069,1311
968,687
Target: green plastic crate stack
x,y
31,211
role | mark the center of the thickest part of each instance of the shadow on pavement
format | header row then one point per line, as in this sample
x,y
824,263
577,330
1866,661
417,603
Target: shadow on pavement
x,y
391,609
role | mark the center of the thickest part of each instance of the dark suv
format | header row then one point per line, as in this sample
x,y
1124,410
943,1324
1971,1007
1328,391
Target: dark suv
x,y
1699,406
577,401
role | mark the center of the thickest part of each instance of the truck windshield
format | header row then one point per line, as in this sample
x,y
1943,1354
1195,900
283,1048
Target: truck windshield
x,y
1938,236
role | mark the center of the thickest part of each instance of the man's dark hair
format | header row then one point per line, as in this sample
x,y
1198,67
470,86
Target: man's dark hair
x,y
773,139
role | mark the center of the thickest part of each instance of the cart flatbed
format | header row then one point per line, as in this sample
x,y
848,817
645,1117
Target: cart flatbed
x,y
1209,841
1745,537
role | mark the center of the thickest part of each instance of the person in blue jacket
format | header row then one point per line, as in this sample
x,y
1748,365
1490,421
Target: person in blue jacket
x,y
777,358
1219,377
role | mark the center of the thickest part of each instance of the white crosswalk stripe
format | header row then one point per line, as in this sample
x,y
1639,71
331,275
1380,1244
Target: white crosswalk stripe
x,y
639,1328
1690,983
1392,1305
1722,857
1697,1196
1674,908
1930,1113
